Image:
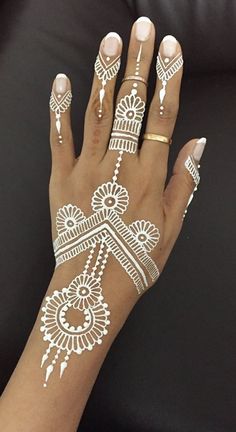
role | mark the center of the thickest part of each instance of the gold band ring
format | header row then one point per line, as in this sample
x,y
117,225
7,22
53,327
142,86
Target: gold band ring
x,y
135,78
154,137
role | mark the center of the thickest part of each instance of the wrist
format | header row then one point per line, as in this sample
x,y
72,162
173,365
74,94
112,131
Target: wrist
x,y
118,289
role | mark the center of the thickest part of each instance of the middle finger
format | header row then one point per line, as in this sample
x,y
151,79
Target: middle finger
x,y
131,99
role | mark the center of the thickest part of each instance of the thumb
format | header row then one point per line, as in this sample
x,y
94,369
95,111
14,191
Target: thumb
x,y
184,181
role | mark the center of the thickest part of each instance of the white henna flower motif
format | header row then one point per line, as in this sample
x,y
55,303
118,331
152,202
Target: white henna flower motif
x,y
110,196
68,217
84,292
145,233
57,328
131,107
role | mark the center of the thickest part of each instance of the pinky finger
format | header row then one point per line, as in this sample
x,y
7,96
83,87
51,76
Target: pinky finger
x,y
183,183
61,139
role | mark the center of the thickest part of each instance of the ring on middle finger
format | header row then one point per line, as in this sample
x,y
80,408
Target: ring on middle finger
x,y
135,78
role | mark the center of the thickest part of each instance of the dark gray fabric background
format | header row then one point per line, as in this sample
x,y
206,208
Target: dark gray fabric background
x,y
172,367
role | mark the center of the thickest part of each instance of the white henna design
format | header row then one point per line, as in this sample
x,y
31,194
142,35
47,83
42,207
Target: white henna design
x,y
127,124
68,217
128,117
192,168
59,103
105,69
102,233
145,233
166,69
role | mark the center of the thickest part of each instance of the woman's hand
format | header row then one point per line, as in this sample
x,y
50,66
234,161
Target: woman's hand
x,y
136,191
114,223
113,218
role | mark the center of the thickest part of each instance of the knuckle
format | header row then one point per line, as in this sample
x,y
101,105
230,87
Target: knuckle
x,y
92,111
170,112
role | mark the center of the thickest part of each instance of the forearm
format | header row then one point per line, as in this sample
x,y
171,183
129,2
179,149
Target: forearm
x,y
26,404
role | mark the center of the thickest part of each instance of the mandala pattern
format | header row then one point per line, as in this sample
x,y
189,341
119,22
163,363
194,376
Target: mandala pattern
x,y
68,217
131,107
145,233
61,334
110,196
84,292
127,124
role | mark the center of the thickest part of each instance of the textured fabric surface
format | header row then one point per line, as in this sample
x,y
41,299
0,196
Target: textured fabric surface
x,y
172,367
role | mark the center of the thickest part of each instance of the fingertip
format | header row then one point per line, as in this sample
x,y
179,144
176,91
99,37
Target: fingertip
x,y
111,45
143,29
194,147
61,83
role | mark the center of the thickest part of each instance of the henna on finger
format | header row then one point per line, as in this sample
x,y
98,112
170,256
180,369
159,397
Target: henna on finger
x,y
59,102
166,67
101,234
192,166
106,68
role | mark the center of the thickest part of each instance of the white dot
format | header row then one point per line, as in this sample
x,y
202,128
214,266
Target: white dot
x,y
136,73
108,58
167,60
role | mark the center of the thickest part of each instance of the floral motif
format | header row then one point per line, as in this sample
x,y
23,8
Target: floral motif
x,y
110,196
68,217
131,107
59,331
145,233
84,292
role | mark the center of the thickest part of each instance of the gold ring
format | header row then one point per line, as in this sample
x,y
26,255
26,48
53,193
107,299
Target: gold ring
x,y
135,78
154,137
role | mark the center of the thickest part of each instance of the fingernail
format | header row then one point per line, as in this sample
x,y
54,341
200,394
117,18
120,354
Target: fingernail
x,y
61,83
169,46
112,43
143,27
199,148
